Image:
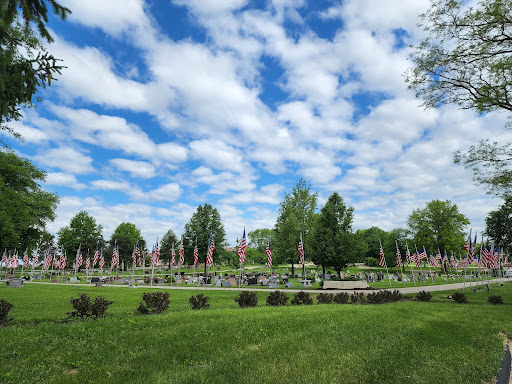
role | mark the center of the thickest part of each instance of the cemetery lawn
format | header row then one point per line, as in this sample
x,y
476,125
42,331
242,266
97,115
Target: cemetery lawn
x,y
405,342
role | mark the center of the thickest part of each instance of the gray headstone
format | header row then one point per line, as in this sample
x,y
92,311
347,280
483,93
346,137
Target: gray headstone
x,y
99,284
15,283
226,284
289,285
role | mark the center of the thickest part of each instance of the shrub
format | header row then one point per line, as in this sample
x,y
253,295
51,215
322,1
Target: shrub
x,y
384,297
375,298
423,296
199,302
302,298
324,298
84,308
358,298
371,262
341,298
155,302
277,299
494,299
247,299
5,308
460,298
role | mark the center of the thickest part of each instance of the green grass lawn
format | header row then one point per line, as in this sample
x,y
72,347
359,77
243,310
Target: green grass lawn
x,y
405,342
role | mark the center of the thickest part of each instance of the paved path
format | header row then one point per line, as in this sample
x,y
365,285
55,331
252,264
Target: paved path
x,y
437,287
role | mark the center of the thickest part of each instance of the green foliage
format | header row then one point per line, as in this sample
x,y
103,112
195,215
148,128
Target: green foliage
x,y
5,308
84,308
296,216
438,226
247,299
258,239
302,298
24,64
332,243
205,220
199,302
154,303
324,298
341,298
423,296
371,262
277,299
82,231
382,297
24,206
495,300
498,224
167,243
358,298
125,236
465,57
460,298
372,237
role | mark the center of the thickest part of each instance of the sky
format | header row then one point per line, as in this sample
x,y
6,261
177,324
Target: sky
x,y
166,105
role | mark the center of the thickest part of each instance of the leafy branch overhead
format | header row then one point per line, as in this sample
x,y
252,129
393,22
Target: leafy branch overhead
x,y
466,57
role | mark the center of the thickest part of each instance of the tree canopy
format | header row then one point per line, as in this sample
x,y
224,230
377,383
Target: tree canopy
x,y
296,216
24,64
205,220
82,231
439,225
167,243
498,224
25,208
332,242
126,236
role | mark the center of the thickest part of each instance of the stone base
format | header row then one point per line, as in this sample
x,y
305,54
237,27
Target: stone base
x,y
345,284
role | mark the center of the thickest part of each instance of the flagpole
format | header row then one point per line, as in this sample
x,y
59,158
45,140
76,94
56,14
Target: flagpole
x,y
412,273
385,263
429,269
401,261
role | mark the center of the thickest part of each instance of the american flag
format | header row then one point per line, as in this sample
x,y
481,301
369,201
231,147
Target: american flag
x,y
115,257
269,253
134,256
56,262
471,252
87,261
79,260
47,260
242,253
209,253
398,258
181,253
438,255
408,259
102,260
495,259
137,253
433,260
445,258
485,255
35,259
301,251
173,255
382,259
414,258
26,261
422,254
452,261
96,256
63,260
196,255
467,244
157,253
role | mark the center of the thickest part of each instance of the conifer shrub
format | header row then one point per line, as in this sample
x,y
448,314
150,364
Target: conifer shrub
x,y
199,302
423,296
381,297
341,298
85,308
302,298
324,298
154,302
5,308
358,298
495,300
277,299
247,299
460,298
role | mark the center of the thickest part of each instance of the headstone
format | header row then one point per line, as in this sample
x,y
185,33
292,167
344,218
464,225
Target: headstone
x,y
289,285
327,277
95,280
73,280
99,284
36,277
252,281
15,283
226,284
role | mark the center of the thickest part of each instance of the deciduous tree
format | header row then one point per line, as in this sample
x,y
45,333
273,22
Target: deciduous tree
x,y
125,236
498,224
82,231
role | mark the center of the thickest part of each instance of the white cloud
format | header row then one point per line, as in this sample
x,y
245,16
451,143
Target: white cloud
x,y
64,179
139,169
67,159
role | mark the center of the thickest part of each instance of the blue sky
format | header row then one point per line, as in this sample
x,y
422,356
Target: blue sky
x,y
166,105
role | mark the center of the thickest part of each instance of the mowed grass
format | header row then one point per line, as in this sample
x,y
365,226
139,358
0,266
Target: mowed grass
x,y
405,342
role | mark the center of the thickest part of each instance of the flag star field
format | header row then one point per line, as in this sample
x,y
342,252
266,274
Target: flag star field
x,y
165,105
